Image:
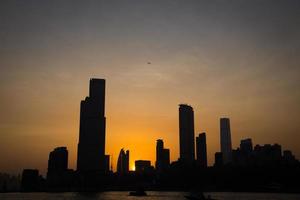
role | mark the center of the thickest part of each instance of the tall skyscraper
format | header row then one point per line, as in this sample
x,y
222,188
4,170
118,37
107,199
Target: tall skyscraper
x,y
162,156
225,134
201,150
186,134
123,162
91,146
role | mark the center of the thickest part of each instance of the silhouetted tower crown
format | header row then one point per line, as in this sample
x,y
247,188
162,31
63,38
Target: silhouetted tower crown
x,y
225,134
91,146
186,134
97,93
201,150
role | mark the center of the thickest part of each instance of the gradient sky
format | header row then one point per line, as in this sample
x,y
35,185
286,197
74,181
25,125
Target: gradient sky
x,y
239,59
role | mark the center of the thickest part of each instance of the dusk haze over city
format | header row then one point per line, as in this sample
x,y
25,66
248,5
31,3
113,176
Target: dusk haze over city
x,y
139,95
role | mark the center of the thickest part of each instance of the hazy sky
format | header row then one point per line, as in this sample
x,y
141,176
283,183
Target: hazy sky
x,y
239,59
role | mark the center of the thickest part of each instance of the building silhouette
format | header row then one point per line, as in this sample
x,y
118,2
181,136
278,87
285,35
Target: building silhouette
x,y
288,158
218,159
30,180
186,134
91,145
143,167
58,161
123,162
246,146
58,174
267,154
162,157
201,150
225,135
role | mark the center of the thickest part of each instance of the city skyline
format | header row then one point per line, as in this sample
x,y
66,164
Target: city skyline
x,y
190,121
91,156
233,59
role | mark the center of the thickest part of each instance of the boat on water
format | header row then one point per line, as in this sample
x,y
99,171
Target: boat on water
x,y
199,196
138,192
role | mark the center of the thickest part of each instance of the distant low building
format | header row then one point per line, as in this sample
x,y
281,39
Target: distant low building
x,y
58,174
143,166
218,159
288,158
58,160
267,154
246,146
30,180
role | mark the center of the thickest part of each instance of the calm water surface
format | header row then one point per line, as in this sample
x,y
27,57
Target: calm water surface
x,y
151,196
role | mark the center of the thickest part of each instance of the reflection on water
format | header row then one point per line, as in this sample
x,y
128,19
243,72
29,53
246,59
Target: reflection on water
x,y
151,196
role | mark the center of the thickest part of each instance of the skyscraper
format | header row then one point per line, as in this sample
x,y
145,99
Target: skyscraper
x,y
91,146
162,156
123,162
225,134
201,150
186,134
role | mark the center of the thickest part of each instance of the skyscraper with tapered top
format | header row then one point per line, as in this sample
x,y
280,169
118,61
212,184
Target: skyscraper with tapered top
x,y
91,145
225,135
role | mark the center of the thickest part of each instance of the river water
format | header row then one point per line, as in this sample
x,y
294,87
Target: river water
x,y
151,196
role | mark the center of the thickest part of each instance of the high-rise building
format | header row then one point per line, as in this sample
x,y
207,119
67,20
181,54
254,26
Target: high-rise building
x,y
225,134
246,146
58,161
123,162
91,146
201,150
186,134
162,156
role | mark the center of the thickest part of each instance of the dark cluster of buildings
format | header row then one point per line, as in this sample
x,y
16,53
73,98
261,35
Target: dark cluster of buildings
x,y
93,166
